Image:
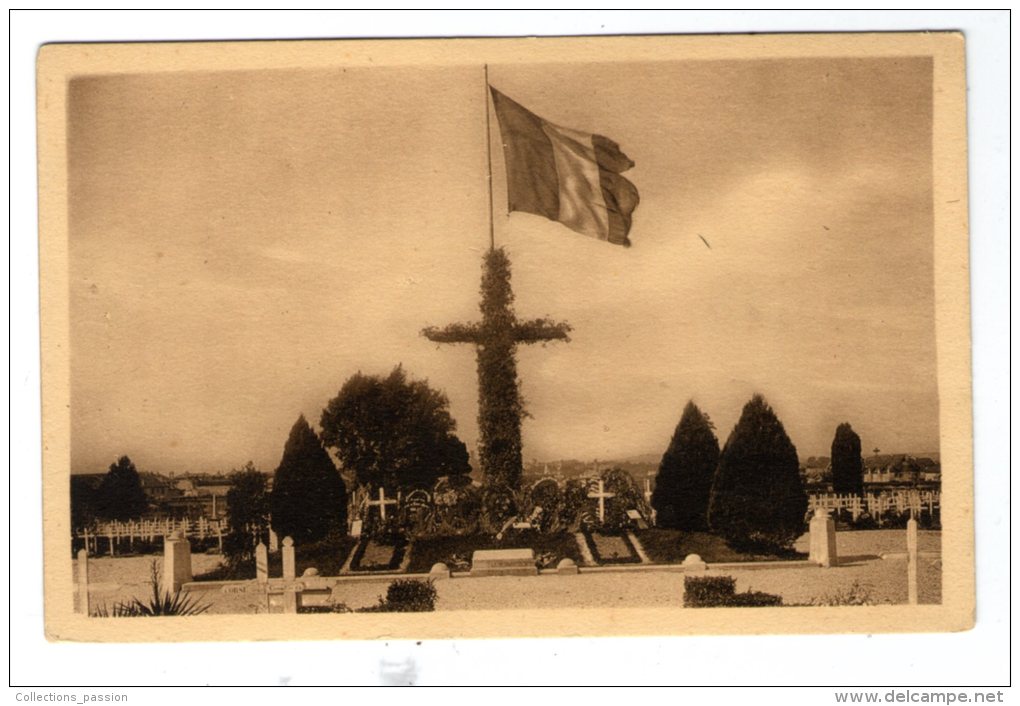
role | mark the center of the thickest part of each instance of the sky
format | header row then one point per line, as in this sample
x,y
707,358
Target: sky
x,y
243,242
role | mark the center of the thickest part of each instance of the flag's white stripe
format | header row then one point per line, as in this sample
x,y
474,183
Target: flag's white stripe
x,y
582,207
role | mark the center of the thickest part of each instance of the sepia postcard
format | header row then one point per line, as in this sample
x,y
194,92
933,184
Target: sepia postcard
x,y
458,338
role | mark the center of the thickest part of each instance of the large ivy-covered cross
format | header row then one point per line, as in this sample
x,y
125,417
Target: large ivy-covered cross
x,y
495,339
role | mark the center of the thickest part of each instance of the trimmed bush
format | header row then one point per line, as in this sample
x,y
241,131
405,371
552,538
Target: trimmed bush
x,y
708,591
754,599
720,592
406,596
410,595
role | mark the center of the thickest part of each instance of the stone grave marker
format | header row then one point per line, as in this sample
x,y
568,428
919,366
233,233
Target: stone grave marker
x,y
83,582
638,519
912,561
503,562
356,528
261,563
176,561
289,564
823,539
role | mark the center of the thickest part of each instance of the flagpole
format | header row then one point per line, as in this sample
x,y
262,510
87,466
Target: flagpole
x,y
488,156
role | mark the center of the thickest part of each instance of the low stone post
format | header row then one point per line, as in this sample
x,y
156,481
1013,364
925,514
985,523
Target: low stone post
x,y
83,582
261,563
823,539
912,561
289,566
176,561
566,567
290,599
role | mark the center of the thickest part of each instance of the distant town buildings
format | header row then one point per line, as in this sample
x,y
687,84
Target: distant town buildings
x,y
179,496
880,471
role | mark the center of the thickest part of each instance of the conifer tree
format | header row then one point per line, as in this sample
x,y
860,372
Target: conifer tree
x,y
120,495
309,498
758,501
247,513
847,464
684,482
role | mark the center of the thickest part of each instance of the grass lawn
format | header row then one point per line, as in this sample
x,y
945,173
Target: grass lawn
x,y
456,551
666,546
328,556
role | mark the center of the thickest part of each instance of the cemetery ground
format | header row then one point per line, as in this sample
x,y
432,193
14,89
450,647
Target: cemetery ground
x,y
637,585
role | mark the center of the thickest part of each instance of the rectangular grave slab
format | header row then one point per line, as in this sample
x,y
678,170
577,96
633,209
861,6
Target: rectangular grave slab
x,y
611,549
503,562
370,555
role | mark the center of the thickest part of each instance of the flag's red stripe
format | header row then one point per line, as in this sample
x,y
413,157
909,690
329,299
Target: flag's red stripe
x,y
620,196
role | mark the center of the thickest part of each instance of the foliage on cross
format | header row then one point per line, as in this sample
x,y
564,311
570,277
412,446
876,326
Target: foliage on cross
x,y
495,339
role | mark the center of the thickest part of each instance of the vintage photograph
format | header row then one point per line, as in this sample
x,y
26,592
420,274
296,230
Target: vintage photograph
x,y
654,335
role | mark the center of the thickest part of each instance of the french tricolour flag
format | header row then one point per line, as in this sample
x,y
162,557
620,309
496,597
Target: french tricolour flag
x,y
565,175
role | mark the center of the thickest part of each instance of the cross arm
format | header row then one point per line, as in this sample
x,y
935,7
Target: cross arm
x,y
453,333
539,330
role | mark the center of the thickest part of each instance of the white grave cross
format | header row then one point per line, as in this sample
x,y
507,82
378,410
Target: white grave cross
x,y
381,503
601,495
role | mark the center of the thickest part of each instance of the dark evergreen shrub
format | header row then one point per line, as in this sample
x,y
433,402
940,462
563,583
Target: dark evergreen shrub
x,y
684,482
758,503
406,596
707,591
309,498
720,592
247,514
411,595
120,495
754,599
847,464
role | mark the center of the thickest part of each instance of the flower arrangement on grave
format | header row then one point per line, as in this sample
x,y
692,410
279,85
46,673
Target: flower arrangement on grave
x,y
543,506
458,508
626,495
499,506
575,509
